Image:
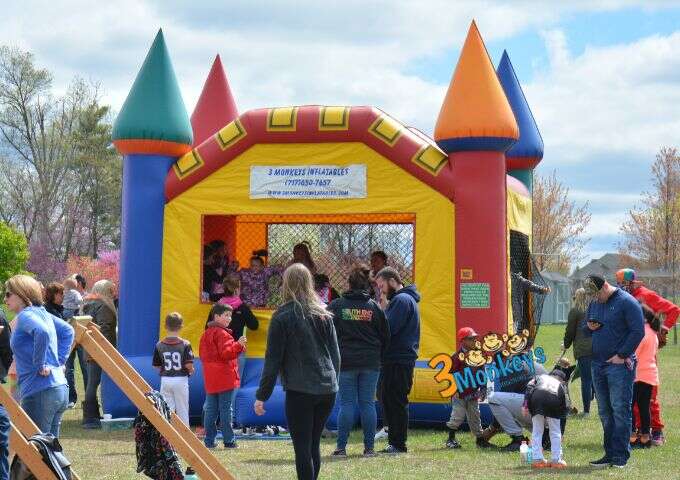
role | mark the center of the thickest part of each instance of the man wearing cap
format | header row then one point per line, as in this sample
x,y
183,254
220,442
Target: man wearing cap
x,y
615,322
626,279
465,403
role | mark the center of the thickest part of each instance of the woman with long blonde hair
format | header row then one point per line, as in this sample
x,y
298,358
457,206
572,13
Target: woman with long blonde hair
x,y
99,305
41,344
575,335
302,346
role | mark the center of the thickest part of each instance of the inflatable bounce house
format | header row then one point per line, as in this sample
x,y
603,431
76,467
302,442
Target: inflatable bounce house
x,y
462,197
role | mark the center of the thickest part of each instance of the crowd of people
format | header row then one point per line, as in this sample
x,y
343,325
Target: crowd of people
x,y
352,346
36,350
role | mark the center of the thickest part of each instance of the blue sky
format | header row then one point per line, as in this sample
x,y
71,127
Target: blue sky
x,y
602,77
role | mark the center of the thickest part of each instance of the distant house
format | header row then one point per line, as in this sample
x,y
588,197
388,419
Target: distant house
x,y
610,263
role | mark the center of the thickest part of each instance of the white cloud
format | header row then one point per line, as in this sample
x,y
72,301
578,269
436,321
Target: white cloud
x,y
598,109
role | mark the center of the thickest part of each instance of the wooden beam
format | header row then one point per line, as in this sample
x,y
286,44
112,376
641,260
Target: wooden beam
x,y
143,386
124,376
23,424
29,455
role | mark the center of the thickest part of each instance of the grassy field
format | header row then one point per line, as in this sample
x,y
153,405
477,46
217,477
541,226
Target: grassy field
x,y
99,455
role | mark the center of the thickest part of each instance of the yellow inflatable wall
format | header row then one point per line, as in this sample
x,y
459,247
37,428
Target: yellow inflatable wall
x,y
390,190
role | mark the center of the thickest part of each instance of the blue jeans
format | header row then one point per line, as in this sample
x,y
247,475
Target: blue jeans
x,y
585,367
46,408
4,444
614,392
71,375
218,403
357,386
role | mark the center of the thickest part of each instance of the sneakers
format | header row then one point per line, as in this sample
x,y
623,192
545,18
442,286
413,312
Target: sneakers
x,y
392,450
601,463
618,465
658,438
231,445
452,443
540,464
339,453
381,434
369,452
483,443
559,464
514,445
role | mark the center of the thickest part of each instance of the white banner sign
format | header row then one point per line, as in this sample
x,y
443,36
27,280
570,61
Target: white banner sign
x,y
310,182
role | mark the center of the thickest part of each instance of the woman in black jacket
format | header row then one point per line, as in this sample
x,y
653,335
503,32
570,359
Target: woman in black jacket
x,y
363,335
5,362
54,296
303,347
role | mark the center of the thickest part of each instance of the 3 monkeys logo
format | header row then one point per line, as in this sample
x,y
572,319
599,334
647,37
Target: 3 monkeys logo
x,y
495,356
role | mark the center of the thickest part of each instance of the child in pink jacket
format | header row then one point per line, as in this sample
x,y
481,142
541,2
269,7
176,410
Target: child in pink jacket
x,y
646,377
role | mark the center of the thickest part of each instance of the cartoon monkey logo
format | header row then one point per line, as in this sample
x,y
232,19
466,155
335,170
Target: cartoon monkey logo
x,y
473,358
491,343
516,343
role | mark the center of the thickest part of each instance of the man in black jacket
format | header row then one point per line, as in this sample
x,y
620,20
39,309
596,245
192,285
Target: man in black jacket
x,y
5,362
403,316
363,335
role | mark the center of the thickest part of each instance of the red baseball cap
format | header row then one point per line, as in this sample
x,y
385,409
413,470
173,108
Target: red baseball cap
x,y
466,332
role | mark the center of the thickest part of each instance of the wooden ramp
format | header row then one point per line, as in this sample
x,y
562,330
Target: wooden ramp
x,y
180,436
22,428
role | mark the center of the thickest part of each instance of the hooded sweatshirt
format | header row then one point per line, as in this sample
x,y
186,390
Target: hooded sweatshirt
x,y
241,317
622,327
404,319
362,330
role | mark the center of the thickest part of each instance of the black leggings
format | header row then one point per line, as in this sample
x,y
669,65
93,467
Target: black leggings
x,y
307,415
642,395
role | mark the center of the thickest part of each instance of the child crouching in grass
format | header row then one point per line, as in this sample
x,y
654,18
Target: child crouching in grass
x,y
547,400
219,356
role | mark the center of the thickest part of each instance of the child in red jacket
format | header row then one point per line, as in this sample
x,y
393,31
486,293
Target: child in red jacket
x,y
219,356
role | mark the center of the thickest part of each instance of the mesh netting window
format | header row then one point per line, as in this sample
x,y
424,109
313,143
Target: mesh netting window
x,y
526,304
336,242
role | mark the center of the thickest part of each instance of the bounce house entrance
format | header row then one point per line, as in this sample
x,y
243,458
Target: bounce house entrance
x,y
336,242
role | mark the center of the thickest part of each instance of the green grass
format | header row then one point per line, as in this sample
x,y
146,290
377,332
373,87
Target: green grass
x,y
99,455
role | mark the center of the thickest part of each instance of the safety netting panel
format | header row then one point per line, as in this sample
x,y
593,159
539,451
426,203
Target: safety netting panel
x,y
337,248
527,303
336,242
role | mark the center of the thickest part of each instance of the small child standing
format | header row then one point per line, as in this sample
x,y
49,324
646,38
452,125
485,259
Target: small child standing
x,y
547,400
72,298
646,377
219,357
174,359
465,404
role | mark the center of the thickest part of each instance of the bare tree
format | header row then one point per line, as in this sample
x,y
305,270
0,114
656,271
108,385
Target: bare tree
x,y
652,231
48,149
558,225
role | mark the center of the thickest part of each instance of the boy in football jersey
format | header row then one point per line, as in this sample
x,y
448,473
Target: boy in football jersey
x,y
174,360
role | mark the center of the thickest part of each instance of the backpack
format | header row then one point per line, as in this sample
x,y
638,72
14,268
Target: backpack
x,y
51,452
155,456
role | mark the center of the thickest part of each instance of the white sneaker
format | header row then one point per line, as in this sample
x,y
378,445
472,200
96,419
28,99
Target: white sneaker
x,y
71,405
381,434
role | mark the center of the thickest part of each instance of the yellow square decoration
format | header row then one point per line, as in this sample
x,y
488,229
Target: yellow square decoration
x,y
188,163
282,119
431,159
230,134
334,118
386,129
